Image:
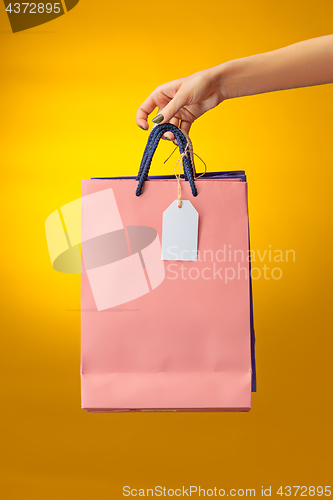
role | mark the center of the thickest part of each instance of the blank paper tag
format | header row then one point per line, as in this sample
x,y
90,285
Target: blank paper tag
x,y
180,232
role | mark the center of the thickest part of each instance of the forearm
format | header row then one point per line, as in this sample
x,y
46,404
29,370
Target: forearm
x,y
300,65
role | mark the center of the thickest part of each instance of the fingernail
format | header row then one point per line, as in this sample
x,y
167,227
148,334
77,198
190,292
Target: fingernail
x,y
158,119
143,128
168,139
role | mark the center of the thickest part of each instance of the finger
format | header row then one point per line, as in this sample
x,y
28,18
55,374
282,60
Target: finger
x,y
169,135
185,126
172,108
144,110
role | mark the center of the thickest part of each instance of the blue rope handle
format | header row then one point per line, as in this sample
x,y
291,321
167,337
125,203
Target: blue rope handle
x,y
153,141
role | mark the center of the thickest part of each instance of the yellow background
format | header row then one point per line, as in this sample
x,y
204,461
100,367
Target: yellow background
x,y
69,93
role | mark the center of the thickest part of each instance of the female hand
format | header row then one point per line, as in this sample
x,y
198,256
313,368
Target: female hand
x,y
182,101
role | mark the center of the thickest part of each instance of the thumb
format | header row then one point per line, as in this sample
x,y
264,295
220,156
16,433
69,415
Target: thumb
x,y
171,109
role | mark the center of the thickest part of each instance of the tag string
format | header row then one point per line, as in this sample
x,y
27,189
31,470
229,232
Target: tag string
x,y
188,149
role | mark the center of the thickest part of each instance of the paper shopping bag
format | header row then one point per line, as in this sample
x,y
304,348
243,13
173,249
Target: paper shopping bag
x,y
160,334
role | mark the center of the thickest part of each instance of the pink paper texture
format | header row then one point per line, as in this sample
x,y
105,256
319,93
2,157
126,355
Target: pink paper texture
x,y
168,334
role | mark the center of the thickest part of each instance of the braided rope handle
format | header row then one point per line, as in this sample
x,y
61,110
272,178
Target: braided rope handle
x,y
153,141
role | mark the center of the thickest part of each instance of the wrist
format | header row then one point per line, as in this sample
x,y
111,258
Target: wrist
x,y
228,77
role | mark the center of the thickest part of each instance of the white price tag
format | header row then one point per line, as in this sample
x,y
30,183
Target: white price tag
x,y
180,232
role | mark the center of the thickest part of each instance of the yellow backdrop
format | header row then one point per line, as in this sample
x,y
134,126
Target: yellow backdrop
x,y
69,94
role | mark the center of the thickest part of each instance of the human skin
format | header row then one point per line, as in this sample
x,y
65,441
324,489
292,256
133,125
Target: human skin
x,y
182,101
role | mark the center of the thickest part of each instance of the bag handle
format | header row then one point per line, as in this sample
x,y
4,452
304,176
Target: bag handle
x,y
153,141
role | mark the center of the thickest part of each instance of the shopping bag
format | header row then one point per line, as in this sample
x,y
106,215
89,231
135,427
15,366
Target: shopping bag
x,y
160,334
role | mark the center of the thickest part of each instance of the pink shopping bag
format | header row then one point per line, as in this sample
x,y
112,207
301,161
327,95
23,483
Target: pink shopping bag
x,y
165,334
